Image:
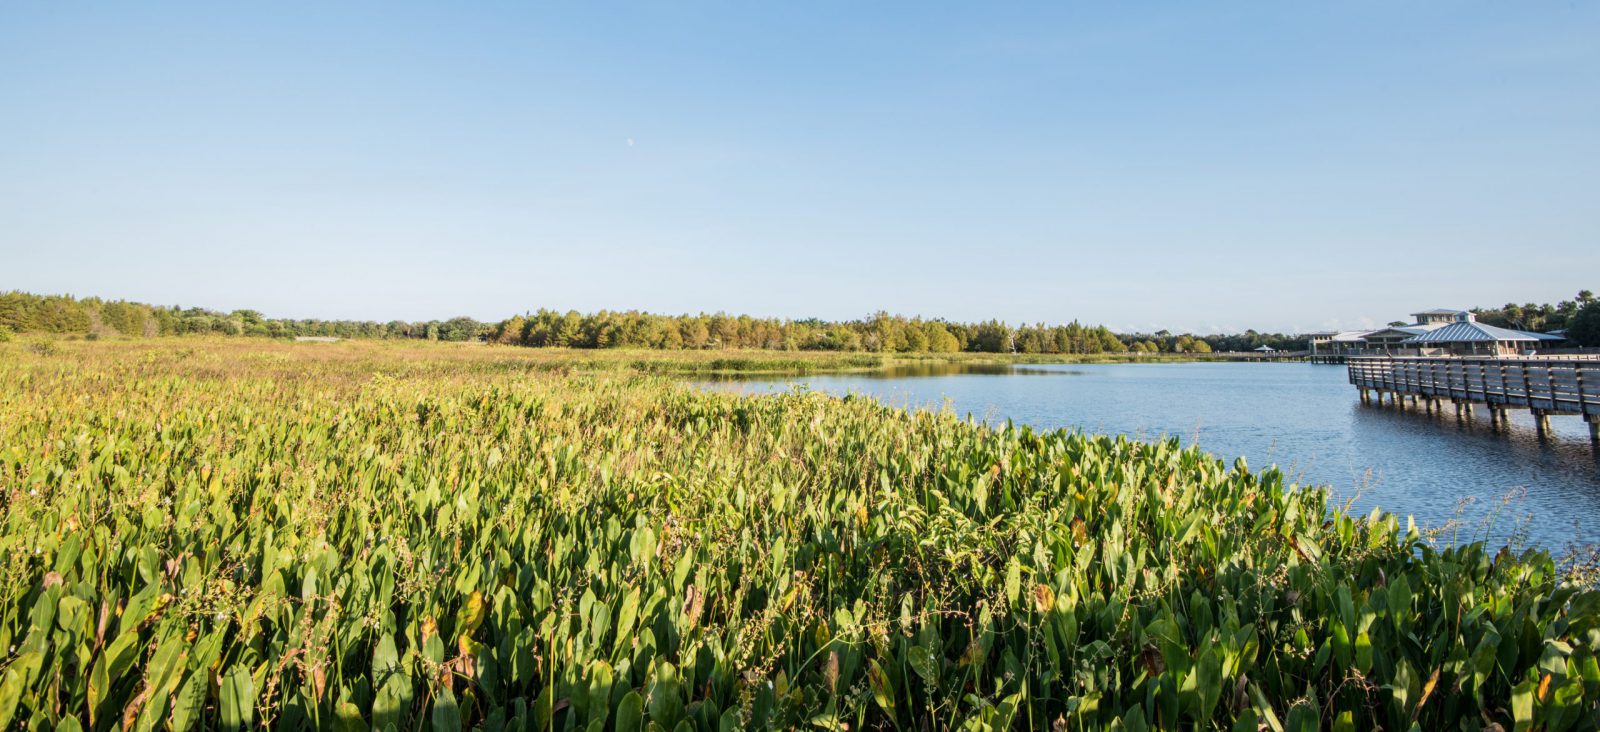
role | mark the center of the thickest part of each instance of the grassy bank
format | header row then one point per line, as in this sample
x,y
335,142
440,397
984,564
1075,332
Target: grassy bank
x,y
207,534
411,355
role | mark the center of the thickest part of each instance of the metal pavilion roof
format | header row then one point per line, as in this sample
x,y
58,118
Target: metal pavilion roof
x,y
1472,331
1440,311
1393,331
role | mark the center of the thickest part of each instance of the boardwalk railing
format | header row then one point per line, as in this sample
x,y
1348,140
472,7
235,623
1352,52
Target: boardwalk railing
x,y
1547,385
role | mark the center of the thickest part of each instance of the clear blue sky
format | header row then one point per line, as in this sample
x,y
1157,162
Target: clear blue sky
x,y
1193,166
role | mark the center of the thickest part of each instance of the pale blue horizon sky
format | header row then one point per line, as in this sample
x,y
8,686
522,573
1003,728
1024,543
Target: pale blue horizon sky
x,y
1195,167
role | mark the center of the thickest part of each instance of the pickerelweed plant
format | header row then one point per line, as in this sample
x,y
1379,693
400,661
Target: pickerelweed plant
x,y
362,538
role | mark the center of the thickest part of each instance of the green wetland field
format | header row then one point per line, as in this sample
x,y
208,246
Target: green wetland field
x,y
209,534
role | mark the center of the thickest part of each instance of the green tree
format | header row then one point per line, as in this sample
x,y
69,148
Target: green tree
x,y
696,334
939,338
1584,329
509,331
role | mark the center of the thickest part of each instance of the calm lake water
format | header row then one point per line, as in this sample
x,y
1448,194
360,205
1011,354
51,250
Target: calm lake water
x,y
1304,418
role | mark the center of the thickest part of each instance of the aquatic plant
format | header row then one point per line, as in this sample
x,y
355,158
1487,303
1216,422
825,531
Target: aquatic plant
x,y
362,537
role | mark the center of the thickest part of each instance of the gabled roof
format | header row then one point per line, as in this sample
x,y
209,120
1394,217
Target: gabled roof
x,y
1440,311
1410,330
1265,347
1472,331
1351,336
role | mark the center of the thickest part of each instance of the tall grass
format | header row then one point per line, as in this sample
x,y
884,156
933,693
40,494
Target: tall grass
x,y
220,536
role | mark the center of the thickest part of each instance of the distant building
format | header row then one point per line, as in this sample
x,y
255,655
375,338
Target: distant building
x,y
1468,337
1438,332
1264,348
1438,316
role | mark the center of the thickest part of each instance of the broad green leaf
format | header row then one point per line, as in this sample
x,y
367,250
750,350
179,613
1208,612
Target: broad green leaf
x,y
630,713
236,698
446,716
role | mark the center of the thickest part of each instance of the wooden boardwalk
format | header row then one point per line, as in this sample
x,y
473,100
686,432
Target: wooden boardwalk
x,y
1543,386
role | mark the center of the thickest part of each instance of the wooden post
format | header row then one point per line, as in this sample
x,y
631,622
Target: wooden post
x,y
1541,422
1594,429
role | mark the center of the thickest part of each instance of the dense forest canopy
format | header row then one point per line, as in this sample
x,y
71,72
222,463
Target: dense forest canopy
x,y
22,312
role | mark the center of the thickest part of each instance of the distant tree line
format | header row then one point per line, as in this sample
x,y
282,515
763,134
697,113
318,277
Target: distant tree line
x,y
881,332
1580,317
22,312
1163,341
